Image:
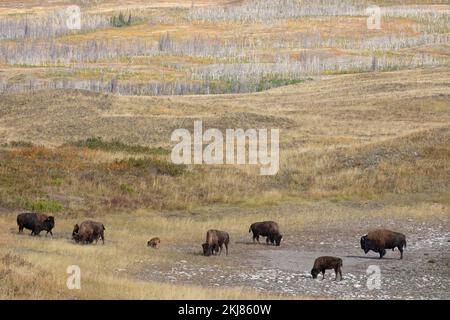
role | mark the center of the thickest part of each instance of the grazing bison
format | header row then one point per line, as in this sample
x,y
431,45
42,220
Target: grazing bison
x,y
214,249
268,229
154,242
215,239
325,263
36,222
382,239
88,231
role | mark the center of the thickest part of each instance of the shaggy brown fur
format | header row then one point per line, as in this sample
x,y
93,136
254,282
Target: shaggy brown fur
x,y
215,239
154,242
36,222
267,229
88,231
325,263
381,239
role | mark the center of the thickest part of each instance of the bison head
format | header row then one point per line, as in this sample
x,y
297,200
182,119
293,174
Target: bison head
x,y
49,223
277,239
365,244
314,272
76,228
206,249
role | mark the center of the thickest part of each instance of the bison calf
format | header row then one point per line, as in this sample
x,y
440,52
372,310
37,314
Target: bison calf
x,y
382,239
36,222
268,229
325,263
88,231
154,243
215,239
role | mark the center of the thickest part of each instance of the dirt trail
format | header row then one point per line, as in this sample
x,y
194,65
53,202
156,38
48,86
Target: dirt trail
x,y
424,273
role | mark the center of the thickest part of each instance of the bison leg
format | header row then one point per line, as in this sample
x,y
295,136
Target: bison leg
x,y
401,251
255,236
267,240
382,253
49,231
337,271
20,229
226,248
103,241
323,274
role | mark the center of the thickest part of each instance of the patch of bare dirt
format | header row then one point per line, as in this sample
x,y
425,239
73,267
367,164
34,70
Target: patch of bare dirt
x,y
424,273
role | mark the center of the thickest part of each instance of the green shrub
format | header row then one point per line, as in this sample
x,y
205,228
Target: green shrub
x,y
113,146
121,21
127,189
19,144
42,205
162,166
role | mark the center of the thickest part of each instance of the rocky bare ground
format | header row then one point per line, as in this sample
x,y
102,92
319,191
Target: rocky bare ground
x,y
424,273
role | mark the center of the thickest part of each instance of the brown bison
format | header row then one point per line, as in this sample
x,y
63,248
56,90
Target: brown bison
x,y
36,222
88,231
214,250
325,263
215,239
268,229
382,239
154,243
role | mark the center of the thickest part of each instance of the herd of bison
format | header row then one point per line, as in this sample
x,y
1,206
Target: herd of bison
x,y
90,231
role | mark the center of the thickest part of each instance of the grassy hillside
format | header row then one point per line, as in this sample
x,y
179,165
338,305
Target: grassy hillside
x,y
335,143
86,118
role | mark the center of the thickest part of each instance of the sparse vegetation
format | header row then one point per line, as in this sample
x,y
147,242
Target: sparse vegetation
x,y
97,143
283,41
85,134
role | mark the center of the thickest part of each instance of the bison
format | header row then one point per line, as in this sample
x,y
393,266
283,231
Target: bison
x,y
88,231
382,239
268,229
36,222
325,263
215,239
214,249
154,243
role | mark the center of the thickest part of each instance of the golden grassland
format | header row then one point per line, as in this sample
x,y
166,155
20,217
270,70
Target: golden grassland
x,y
369,136
347,142
36,268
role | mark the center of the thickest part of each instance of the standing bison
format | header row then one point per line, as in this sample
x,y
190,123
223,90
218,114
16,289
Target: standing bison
x,y
382,239
268,229
325,263
88,231
36,222
215,239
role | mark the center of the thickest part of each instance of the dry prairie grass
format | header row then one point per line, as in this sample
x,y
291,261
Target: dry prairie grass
x,y
28,273
36,267
369,136
374,144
